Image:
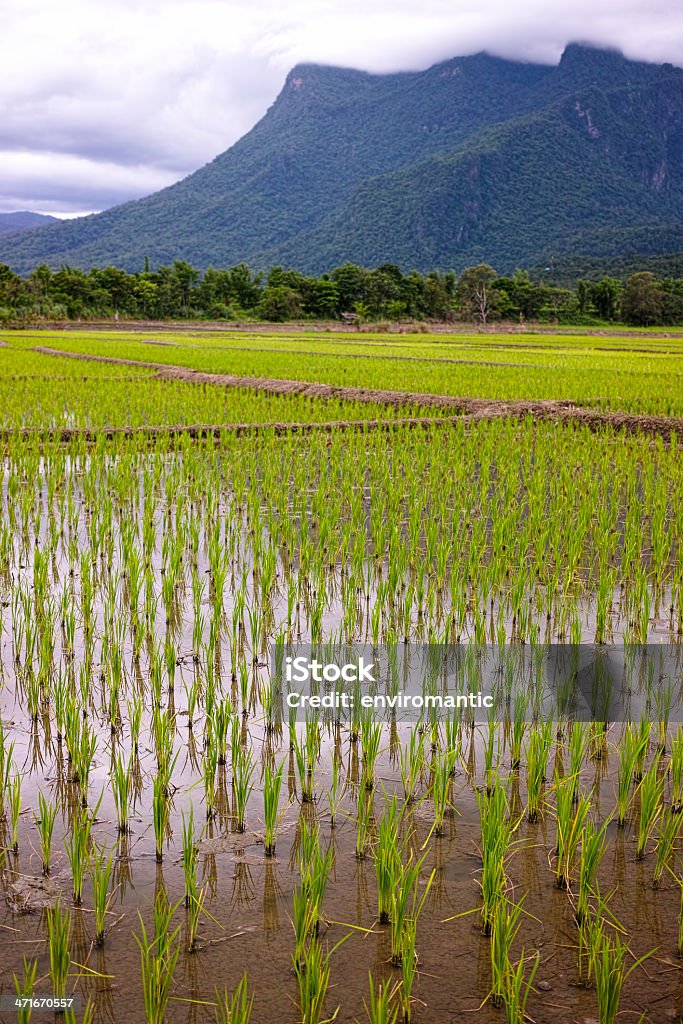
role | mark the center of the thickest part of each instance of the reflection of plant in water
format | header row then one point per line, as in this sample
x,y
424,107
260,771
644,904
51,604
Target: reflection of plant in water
x,y
243,887
161,814
363,821
272,894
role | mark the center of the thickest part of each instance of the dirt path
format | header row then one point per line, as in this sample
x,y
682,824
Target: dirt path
x,y
563,411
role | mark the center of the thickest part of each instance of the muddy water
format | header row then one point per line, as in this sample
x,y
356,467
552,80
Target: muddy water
x,y
249,900
249,897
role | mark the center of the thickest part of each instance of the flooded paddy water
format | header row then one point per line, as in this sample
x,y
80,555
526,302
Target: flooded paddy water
x,y
143,593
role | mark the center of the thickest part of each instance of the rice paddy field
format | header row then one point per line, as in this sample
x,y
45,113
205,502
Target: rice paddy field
x,y
178,846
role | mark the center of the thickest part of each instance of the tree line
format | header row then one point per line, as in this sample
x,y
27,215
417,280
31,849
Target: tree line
x,y
383,293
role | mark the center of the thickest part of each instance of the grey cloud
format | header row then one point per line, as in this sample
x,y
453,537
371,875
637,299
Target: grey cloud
x,y
113,101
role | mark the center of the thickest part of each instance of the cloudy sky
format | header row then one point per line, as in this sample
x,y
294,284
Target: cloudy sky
x,y
101,102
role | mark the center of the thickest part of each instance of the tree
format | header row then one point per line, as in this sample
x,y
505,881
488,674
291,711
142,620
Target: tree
x,y
351,282
279,303
477,297
604,295
641,303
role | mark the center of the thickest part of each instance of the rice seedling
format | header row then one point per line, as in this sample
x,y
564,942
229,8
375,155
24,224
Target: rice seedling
x,y
651,790
77,849
100,876
489,752
680,918
272,784
363,819
625,775
87,1017
666,839
158,958
578,744
242,773
235,1008
408,966
641,742
305,763
59,937
210,767
538,748
194,911
371,737
333,792
677,771
314,870
380,1009
464,539
387,857
518,985
411,759
593,845
313,975
14,796
441,788
521,707
506,925
45,823
189,856
570,822
608,958
497,830
25,989
160,814
406,907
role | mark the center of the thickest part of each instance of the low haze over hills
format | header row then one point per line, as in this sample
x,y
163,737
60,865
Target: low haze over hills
x,y
475,159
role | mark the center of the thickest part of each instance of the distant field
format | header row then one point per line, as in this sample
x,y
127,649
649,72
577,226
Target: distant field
x,y
633,374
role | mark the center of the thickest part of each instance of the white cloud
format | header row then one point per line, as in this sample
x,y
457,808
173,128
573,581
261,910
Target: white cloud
x,y
111,101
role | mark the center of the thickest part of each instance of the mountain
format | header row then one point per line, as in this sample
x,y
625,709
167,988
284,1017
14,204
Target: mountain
x,y
477,158
23,220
